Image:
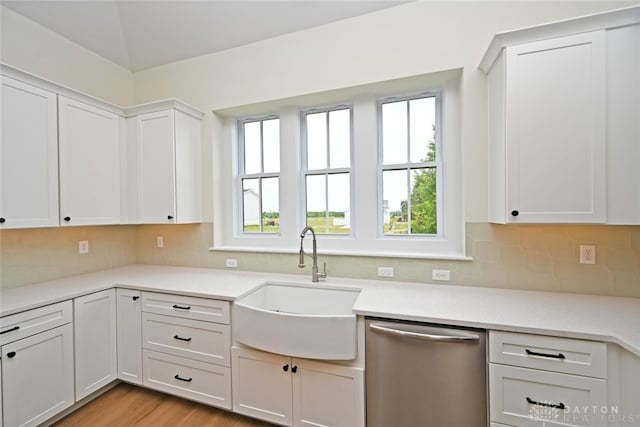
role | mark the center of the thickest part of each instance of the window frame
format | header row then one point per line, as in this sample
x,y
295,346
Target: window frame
x,y
409,165
241,175
304,171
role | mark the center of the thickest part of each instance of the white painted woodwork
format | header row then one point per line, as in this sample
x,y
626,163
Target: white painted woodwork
x,y
509,388
623,125
296,392
37,382
168,167
195,339
28,156
327,395
129,326
261,386
31,322
547,118
95,341
209,310
581,357
90,164
203,382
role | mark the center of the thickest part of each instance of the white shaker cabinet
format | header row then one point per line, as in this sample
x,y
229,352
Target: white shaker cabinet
x,y
297,392
95,338
37,364
167,145
28,156
547,131
91,160
129,324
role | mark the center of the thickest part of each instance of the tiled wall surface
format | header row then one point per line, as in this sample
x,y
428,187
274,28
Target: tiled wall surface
x,y
533,257
39,254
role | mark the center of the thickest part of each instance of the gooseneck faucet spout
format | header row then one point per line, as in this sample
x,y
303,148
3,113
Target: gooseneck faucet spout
x,y
315,273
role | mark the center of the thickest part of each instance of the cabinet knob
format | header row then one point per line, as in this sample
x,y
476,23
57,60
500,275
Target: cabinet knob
x,y
135,298
169,217
11,354
515,213
67,218
294,369
2,220
285,368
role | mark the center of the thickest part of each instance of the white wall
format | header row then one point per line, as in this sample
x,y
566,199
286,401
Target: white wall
x,y
412,39
31,47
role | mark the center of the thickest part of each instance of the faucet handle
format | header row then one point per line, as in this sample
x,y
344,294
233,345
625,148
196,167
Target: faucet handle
x,y
324,271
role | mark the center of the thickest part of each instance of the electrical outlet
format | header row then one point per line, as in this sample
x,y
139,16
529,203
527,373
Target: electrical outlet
x,y
232,262
442,275
587,254
385,271
83,247
160,241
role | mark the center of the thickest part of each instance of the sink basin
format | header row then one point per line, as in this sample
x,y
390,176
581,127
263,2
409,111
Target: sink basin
x,y
314,322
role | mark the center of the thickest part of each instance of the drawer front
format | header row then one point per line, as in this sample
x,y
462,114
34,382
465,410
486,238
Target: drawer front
x,y
195,339
191,379
522,397
27,323
209,310
566,355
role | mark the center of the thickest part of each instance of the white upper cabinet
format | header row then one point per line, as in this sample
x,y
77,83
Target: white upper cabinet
x,y
28,156
90,164
167,148
563,121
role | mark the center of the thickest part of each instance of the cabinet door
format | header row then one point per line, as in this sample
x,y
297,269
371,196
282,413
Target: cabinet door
x,y
28,156
95,336
37,377
327,395
129,335
90,164
262,385
156,168
555,130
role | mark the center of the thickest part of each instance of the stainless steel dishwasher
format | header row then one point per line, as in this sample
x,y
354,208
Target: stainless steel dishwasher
x,y
421,375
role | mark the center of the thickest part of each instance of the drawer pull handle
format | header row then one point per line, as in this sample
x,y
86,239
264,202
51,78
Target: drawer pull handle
x,y
294,369
548,405
178,337
285,368
135,298
11,354
551,356
186,380
15,328
182,307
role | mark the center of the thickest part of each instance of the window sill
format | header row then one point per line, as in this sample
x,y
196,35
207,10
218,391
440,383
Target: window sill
x,y
416,255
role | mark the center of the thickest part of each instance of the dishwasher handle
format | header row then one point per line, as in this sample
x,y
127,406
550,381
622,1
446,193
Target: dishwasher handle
x,y
466,338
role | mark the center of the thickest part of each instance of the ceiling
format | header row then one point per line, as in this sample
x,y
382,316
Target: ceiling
x,y
140,34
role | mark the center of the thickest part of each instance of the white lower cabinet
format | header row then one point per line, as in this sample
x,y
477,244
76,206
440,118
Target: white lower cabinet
x,y
129,325
296,392
533,380
37,377
186,345
95,341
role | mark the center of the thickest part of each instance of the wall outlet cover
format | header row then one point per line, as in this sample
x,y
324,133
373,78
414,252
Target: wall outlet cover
x,y
442,275
385,272
231,263
83,247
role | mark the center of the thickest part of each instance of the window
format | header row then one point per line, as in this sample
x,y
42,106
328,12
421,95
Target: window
x,y
327,169
259,175
409,165
375,174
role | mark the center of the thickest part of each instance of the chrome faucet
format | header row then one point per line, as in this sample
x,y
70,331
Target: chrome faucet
x,y
315,273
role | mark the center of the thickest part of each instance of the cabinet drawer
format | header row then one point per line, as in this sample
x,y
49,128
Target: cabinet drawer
x,y
27,323
195,339
523,397
209,310
566,355
191,379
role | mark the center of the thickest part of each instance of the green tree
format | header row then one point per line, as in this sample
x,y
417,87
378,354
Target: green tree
x,y
423,197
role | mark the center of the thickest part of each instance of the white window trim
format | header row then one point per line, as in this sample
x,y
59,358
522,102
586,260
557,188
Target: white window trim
x,y
304,171
365,239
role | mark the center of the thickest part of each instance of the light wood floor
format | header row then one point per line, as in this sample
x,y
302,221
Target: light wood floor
x,y
127,405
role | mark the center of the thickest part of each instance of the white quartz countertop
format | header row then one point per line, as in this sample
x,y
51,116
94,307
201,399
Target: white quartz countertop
x,y
612,319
